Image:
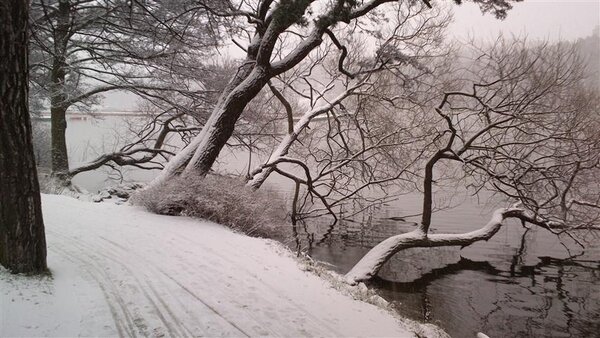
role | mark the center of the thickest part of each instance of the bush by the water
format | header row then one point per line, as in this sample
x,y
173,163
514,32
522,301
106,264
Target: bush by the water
x,y
220,199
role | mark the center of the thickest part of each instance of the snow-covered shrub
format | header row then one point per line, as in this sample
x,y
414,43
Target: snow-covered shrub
x,y
220,199
54,186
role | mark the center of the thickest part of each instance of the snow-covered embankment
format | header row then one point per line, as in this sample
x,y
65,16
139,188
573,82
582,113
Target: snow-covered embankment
x,y
118,270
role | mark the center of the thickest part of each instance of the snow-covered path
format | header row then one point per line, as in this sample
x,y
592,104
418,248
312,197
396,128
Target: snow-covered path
x,y
120,271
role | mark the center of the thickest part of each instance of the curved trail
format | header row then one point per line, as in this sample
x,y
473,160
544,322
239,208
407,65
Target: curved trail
x,y
162,276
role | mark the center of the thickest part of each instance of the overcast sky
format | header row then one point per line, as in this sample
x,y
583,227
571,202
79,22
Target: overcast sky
x,y
540,19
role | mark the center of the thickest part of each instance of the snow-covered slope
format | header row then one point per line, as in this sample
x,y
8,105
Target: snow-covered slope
x,y
118,270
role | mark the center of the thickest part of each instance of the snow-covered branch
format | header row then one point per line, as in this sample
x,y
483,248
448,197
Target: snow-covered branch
x,y
371,263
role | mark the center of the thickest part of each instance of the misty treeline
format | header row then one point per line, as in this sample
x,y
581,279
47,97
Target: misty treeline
x,y
353,101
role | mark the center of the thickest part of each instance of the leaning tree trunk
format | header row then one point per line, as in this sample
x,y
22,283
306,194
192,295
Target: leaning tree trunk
x,y
371,263
221,124
204,148
251,77
199,156
22,239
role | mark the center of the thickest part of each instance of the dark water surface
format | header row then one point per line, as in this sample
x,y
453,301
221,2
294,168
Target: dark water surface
x,y
522,283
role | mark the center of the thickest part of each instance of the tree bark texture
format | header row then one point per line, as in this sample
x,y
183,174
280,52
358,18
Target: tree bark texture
x,y
200,144
199,156
22,239
58,104
221,124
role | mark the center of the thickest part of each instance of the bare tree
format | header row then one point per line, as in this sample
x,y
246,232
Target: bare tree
x,y
352,145
271,25
169,124
524,129
82,49
22,238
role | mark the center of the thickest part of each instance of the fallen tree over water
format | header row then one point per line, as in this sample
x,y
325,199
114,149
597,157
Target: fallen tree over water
x,y
527,133
371,263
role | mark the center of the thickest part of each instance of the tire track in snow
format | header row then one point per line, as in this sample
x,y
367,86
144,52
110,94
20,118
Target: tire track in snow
x,y
181,271
315,324
136,321
182,277
107,253
260,323
160,298
183,287
122,322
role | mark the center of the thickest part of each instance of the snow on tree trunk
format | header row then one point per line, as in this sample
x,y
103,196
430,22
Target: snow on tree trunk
x,y
22,238
202,152
178,162
261,173
219,129
371,263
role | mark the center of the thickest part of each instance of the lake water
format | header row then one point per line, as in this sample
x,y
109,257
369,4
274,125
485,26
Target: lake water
x,y
522,283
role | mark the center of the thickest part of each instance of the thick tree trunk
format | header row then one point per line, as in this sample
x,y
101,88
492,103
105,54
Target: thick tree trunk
x,y
214,137
199,156
371,263
58,99
179,162
22,239
252,76
60,158
220,126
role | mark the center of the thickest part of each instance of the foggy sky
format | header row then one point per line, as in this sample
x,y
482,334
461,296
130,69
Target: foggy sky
x,y
538,19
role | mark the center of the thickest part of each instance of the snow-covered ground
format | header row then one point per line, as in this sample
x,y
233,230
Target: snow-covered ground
x,y
121,271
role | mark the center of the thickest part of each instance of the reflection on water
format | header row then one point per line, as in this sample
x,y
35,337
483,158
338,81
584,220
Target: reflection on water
x,y
554,298
522,283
